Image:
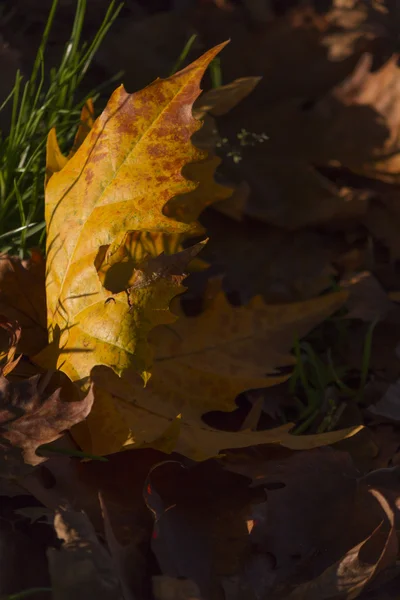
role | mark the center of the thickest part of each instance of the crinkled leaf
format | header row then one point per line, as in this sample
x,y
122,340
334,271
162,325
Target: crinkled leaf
x,y
29,418
349,576
13,332
82,568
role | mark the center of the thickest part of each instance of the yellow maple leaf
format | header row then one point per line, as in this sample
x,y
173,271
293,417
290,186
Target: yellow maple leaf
x,y
119,180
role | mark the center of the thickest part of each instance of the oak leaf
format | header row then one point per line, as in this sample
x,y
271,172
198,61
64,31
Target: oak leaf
x,y
352,573
119,180
31,417
201,364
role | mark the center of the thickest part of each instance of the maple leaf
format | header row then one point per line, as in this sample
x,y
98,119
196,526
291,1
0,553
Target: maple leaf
x,y
119,180
201,364
55,159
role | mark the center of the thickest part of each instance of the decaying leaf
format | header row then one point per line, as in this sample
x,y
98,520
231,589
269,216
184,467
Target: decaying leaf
x,y
365,105
82,568
348,577
29,418
127,169
13,331
319,495
23,299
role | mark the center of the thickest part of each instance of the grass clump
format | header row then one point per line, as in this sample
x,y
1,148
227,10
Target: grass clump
x,y
43,101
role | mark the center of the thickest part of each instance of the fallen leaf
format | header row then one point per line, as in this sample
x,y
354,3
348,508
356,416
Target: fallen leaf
x,y
200,530
367,299
127,169
201,364
365,105
29,418
319,495
389,405
284,266
86,123
13,331
55,159
23,299
349,576
219,101
82,567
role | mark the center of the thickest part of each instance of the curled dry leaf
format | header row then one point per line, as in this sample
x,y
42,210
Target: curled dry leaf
x,y
82,568
23,299
218,101
350,575
29,418
127,169
13,331
319,495
366,107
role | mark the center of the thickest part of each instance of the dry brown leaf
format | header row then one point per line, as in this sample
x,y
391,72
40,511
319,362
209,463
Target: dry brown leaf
x,y
13,331
367,299
284,266
82,568
23,299
389,405
318,495
349,576
31,417
219,101
363,120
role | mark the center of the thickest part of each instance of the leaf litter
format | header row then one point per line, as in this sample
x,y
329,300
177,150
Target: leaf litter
x,y
237,437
